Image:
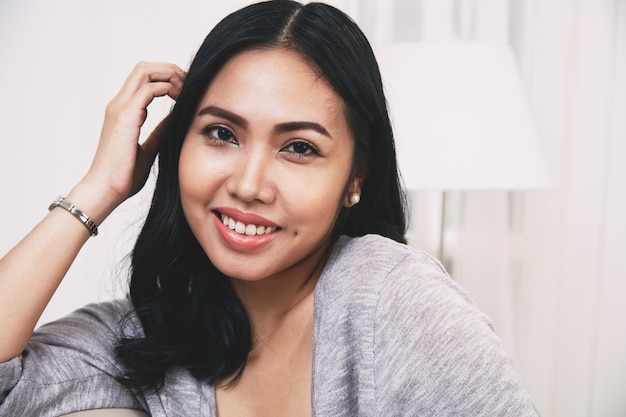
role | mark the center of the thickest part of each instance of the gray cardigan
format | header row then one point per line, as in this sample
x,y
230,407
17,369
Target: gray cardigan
x,y
393,336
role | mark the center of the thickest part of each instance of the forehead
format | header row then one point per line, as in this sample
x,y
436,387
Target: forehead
x,y
273,77
278,60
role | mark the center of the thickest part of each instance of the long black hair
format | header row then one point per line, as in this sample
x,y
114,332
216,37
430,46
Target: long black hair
x,y
190,314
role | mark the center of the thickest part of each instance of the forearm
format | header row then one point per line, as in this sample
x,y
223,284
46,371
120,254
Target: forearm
x,y
31,272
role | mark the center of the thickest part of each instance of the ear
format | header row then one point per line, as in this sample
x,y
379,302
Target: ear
x,y
353,196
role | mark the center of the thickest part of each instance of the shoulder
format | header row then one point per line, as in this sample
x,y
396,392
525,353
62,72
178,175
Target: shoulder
x,y
379,268
373,249
382,255
393,286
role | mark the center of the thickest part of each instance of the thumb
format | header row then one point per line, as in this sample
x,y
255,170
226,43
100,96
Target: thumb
x,y
150,146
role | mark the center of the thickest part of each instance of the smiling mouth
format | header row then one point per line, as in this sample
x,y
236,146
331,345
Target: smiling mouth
x,y
246,229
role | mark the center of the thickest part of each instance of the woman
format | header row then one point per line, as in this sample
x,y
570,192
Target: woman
x,y
254,290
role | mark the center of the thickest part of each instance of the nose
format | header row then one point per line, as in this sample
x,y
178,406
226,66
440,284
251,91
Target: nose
x,y
251,178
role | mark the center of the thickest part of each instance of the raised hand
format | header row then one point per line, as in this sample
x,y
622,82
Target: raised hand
x,y
121,165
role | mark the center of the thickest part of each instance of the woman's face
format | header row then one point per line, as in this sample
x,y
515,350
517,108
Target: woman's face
x,y
264,166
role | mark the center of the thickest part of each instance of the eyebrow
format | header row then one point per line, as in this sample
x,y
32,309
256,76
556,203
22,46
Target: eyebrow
x,y
279,128
224,114
294,126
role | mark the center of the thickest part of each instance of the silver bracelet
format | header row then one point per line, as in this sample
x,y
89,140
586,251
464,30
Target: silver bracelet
x,y
60,201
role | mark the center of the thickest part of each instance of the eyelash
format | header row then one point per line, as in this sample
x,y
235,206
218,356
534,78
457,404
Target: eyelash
x,y
212,133
214,137
311,151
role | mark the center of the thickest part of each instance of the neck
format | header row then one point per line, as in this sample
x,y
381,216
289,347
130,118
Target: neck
x,y
272,300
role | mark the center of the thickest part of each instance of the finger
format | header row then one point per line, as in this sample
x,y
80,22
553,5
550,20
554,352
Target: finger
x,y
153,71
133,112
148,92
148,72
178,86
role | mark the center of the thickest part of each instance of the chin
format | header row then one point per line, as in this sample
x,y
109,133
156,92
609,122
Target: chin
x,y
241,274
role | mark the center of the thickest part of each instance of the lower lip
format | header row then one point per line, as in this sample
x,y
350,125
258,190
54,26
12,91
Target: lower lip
x,y
242,242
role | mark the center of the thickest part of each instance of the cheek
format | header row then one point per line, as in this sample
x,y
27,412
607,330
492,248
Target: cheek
x,y
313,198
198,179
187,172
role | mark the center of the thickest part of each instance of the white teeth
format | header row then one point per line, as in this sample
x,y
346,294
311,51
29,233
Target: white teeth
x,y
246,229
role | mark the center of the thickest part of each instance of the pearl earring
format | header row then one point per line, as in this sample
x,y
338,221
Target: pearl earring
x,y
354,199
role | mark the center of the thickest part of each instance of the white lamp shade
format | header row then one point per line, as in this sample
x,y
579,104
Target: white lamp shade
x,y
461,118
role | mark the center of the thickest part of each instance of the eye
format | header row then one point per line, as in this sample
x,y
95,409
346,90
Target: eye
x,y
219,134
301,149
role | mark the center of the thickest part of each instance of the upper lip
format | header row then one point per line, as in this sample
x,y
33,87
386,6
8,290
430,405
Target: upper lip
x,y
246,218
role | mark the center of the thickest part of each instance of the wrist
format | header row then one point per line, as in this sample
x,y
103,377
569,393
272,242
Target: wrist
x,y
62,202
93,199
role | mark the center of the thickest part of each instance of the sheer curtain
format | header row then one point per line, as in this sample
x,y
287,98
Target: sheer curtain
x,y
547,266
